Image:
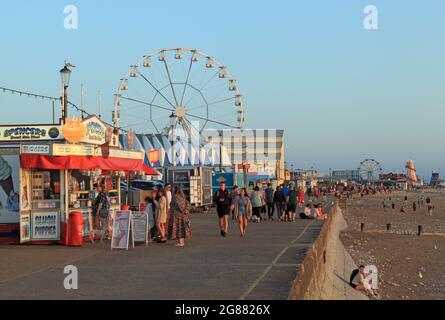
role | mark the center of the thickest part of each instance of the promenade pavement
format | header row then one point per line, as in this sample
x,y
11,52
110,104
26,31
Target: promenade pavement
x,y
260,266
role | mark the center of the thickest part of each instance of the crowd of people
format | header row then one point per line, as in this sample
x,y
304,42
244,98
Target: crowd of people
x,y
169,210
168,214
281,204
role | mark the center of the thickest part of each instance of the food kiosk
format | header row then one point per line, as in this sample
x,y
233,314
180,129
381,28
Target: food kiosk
x,y
49,171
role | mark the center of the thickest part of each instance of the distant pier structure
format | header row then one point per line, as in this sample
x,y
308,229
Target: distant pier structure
x,y
435,179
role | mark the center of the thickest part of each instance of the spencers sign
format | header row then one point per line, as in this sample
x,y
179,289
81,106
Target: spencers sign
x,y
27,133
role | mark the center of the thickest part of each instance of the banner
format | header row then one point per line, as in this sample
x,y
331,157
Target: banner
x,y
153,156
9,186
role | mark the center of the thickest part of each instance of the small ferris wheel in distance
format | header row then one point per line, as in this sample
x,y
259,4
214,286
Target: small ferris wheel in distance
x,y
370,170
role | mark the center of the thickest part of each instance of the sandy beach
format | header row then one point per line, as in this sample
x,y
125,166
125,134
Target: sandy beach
x,y
410,267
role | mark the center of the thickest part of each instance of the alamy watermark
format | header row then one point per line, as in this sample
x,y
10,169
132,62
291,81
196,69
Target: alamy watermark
x,y
71,281
239,144
71,20
372,276
371,20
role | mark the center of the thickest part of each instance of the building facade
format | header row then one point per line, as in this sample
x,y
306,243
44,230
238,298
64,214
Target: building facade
x,y
260,151
350,175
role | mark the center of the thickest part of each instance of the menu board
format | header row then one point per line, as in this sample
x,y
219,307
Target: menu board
x,y
139,227
121,230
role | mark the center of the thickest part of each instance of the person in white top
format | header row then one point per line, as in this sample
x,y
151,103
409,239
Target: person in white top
x,y
168,190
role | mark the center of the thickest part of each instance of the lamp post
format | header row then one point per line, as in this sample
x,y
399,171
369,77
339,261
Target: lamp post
x,y
65,75
292,168
173,121
220,151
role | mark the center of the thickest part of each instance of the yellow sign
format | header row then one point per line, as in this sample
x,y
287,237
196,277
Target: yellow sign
x,y
73,150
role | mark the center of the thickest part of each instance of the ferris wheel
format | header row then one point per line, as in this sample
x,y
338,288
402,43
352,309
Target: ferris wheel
x,y
178,87
370,170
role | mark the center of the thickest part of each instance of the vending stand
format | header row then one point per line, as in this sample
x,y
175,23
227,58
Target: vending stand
x,y
44,177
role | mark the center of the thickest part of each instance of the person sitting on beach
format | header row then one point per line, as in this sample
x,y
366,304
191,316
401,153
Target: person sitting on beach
x,y
359,283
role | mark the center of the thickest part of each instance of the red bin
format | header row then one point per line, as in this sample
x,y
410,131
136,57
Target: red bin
x,y
75,229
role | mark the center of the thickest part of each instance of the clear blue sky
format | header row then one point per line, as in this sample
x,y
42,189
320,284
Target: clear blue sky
x,y
342,93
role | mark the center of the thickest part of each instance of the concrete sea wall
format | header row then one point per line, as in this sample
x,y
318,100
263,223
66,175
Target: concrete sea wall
x,y
324,274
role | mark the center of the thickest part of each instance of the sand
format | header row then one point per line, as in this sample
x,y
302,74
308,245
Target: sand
x,y
410,267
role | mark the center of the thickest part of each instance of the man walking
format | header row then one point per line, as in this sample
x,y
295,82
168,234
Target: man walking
x,y
269,201
292,203
280,201
223,202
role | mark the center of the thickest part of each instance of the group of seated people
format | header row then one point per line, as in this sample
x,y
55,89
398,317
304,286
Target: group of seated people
x,y
313,211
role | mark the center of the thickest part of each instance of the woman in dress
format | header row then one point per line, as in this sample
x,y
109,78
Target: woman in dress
x,y
179,223
243,210
161,215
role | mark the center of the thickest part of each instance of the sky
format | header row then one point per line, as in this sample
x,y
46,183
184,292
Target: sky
x,y
341,92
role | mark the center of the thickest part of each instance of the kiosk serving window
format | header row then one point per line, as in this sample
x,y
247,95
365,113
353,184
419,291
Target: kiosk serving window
x,y
81,193
45,186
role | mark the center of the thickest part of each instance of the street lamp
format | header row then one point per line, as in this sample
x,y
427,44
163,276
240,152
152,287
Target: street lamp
x,y
173,121
220,151
292,168
65,75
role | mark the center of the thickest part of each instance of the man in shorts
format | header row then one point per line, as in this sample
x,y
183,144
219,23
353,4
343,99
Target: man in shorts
x,y
291,211
223,200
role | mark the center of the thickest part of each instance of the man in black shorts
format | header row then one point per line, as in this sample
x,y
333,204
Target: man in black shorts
x,y
223,200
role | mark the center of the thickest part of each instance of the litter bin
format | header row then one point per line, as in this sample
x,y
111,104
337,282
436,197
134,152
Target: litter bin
x,y
75,229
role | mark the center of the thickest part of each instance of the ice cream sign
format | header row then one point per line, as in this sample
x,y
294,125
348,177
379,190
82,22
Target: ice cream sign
x,y
96,131
24,133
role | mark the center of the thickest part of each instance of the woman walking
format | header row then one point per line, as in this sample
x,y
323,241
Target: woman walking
x,y
179,223
101,212
257,200
243,209
161,215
